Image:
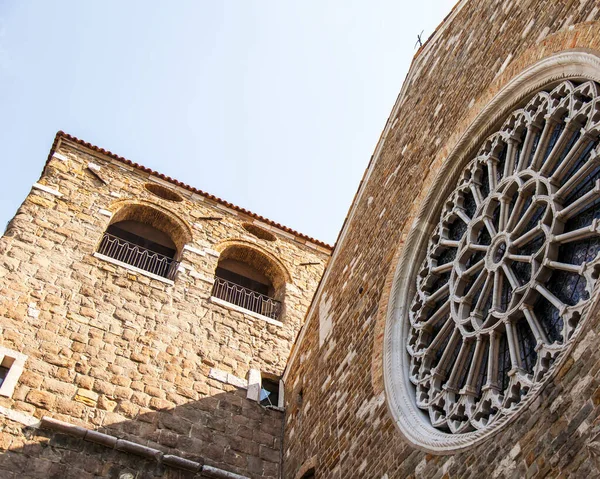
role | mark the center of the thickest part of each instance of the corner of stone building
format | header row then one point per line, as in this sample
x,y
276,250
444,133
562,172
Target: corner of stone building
x,y
133,369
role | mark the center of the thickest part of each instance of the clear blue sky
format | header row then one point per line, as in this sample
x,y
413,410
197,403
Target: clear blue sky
x,y
275,106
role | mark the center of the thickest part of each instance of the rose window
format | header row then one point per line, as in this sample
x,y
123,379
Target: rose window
x,y
511,265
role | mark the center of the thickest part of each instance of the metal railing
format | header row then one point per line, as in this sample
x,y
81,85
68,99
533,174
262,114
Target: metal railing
x,y
138,256
246,298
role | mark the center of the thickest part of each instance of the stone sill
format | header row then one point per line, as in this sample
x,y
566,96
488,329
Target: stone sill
x,y
275,408
245,311
108,259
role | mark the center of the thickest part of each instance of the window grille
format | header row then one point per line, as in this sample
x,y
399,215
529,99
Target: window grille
x,y
246,298
138,256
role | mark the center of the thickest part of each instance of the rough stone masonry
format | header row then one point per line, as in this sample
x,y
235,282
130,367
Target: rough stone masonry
x,y
337,418
122,374
122,355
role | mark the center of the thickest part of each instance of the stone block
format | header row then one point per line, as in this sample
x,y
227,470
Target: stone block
x,y
87,397
41,399
269,454
157,403
69,407
106,404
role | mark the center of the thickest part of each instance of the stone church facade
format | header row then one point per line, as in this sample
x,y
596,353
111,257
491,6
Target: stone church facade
x,y
152,330
411,363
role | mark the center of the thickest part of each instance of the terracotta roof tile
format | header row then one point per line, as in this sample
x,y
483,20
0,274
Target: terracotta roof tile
x,y
62,134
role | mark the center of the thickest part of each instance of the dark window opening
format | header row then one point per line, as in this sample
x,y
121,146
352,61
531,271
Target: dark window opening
x,y
243,285
3,373
138,240
141,246
269,392
243,281
310,474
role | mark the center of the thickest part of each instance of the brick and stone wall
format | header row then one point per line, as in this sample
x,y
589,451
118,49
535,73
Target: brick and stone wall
x,y
336,414
162,366
109,349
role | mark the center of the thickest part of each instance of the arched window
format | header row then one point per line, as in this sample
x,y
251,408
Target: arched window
x,y
248,278
145,238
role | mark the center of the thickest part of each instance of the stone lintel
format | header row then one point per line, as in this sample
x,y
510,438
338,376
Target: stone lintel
x,y
227,378
19,417
191,249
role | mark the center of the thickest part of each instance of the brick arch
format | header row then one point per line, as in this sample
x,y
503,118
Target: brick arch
x,y
261,260
156,216
310,465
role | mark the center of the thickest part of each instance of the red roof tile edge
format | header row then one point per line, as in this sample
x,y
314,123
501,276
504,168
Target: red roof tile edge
x,y
66,136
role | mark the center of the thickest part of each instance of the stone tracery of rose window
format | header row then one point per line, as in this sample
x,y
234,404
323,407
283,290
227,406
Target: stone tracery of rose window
x,y
511,264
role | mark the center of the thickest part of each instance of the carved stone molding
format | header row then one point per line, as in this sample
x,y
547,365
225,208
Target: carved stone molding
x,y
490,361
593,447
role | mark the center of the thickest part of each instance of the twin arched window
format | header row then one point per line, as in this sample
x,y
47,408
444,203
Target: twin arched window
x,y
150,240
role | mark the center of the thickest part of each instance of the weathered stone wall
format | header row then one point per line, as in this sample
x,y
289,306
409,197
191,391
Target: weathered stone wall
x,y
117,351
336,415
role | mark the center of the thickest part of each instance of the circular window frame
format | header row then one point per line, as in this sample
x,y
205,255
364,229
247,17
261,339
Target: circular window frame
x,y
412,422
259,232
163,192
